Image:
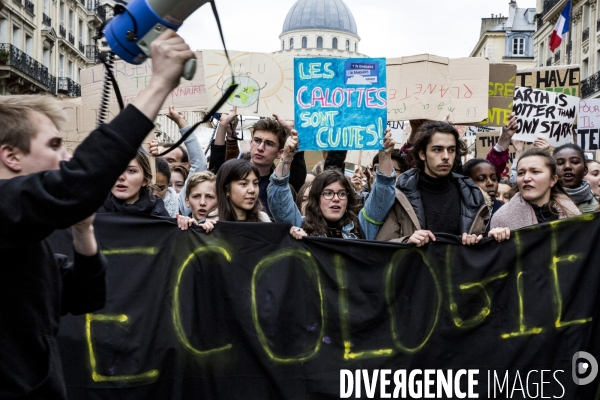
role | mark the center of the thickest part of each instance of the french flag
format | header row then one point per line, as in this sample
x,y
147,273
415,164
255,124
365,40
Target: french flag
x,y
561,28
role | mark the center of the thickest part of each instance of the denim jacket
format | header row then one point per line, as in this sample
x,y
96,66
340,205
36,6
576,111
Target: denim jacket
x,y
283,207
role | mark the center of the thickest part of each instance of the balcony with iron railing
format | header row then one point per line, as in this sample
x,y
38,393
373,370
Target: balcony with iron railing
x,y
101,12
69,88
29,6
91,53
72,39
82,3
81,48
557,56
46,20
585,35
11,56
52,84
548,5
549,61
62,31
598,26
540,21
590,85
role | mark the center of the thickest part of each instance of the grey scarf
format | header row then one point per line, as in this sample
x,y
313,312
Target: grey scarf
x,y
580,194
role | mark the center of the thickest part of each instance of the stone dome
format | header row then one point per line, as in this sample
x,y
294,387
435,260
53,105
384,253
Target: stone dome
x,y
320,14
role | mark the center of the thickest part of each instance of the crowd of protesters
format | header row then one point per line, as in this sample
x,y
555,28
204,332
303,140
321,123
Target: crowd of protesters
x,y
405,195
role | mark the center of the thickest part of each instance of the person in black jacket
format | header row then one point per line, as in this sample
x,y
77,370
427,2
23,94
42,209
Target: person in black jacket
x,y
132,192
44,189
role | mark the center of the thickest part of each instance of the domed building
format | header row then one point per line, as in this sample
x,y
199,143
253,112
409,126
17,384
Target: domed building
x,y
320,28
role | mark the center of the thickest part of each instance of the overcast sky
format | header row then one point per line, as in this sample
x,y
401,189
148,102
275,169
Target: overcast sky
x,y
388,28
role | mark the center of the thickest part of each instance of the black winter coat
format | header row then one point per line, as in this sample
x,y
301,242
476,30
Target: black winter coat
x,y
35,286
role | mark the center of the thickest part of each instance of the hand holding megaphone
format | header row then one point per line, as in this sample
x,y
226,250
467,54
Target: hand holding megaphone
x,y
170,53
133,29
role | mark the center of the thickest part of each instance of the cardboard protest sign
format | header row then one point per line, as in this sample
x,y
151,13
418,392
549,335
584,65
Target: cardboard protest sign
x,y
548,114
340,103
431,87
588,124
265,82
560,79
132,79
501,91
71,131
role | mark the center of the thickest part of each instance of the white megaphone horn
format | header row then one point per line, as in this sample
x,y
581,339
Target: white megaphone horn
x,y
133,28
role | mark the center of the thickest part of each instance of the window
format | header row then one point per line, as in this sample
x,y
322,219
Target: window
x,y
282,45
46,58
71,27
347,45
334,44
28,45
62,14
356,47
71,70
61,66
81,31
598,60
3,30
584,69
17,41
291,43
90,37
47,7
304,42
518,46
541,53
319,42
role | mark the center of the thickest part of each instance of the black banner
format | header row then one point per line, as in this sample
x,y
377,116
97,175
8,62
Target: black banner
x,y
247,312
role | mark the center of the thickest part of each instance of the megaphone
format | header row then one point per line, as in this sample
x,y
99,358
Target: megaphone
x,y
133,28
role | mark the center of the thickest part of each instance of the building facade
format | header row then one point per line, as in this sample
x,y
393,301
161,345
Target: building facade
x,y
323,28
580,46
44,44
508,40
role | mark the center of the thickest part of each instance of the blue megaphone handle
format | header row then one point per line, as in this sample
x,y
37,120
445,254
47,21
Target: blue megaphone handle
x,y
122,26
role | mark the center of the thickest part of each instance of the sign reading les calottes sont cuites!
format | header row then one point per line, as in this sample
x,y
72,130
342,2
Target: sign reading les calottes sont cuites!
x,y
340,104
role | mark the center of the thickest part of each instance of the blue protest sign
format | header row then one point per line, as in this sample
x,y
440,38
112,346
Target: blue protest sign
x,y
340,103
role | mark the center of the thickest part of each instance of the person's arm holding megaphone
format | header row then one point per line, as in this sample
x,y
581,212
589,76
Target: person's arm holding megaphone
x,y
169,53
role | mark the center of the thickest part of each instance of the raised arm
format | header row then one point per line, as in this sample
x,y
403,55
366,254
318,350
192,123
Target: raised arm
x,y
298,164
281,202
383,194
218,149
42,202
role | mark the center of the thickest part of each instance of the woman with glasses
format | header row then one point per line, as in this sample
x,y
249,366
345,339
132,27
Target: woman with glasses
x,y
332,209
132,193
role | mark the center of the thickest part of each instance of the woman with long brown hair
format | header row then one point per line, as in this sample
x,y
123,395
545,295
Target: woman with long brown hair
x,y
237,192
132,192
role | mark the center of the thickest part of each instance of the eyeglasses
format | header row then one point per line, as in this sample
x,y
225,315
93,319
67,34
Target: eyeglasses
x,y
268,143
329,194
